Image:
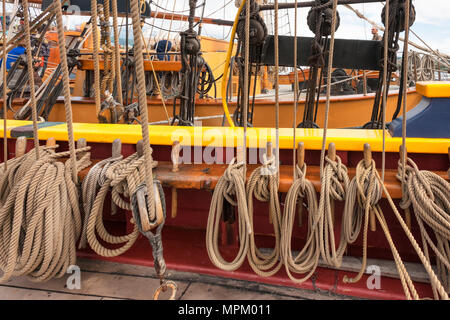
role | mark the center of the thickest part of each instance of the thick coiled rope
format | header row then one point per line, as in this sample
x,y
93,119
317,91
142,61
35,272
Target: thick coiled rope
x,y
230,187
334,186
263,185
93,181
122,178
40,219
429,195
307,259
16,170
363,195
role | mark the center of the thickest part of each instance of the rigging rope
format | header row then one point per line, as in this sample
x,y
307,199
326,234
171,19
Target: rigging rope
x,y
230,186
40,218
30,69
117,52
5,110
301,192
95,55
122,177
263,185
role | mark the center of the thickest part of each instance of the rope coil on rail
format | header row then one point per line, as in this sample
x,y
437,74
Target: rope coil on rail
x,y
334,186
263,185
429,196
230,187
307,259
122,177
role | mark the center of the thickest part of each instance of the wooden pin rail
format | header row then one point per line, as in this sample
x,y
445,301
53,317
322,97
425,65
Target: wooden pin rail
x,y
88,64
205,177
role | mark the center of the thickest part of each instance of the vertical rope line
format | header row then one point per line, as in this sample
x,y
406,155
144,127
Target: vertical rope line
x,y
117,51
5,110
277,92
405,88
66,85
140,75
246,82
170,30
156,80
30,69
294,126
108,54
327,105
385,93
95,43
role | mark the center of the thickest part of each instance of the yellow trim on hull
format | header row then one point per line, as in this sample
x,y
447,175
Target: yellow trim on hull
x,y
345,139
434,89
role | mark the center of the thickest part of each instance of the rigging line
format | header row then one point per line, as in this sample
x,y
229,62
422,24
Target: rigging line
x,y
405,77
385,90
173,10
30,70
246,82
295,91
200,23
435,52
5,110
277,92
154,20
168,35
329,67
162,21
223,7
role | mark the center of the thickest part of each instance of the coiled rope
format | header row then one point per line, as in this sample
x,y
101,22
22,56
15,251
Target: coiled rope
x,y
334,186
230,187
40,218
363,195
122,178
307,259
263,185
93,181
429,195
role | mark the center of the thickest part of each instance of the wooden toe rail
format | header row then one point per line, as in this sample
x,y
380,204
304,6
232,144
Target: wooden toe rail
x,y
205,177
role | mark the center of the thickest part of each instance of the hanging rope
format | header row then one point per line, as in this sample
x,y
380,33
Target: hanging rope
x,y
150,221
108,52
429,195
93,181
5,109
30,69
301,192
363,196
95,55
117,52
122,177
263,185
231,188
